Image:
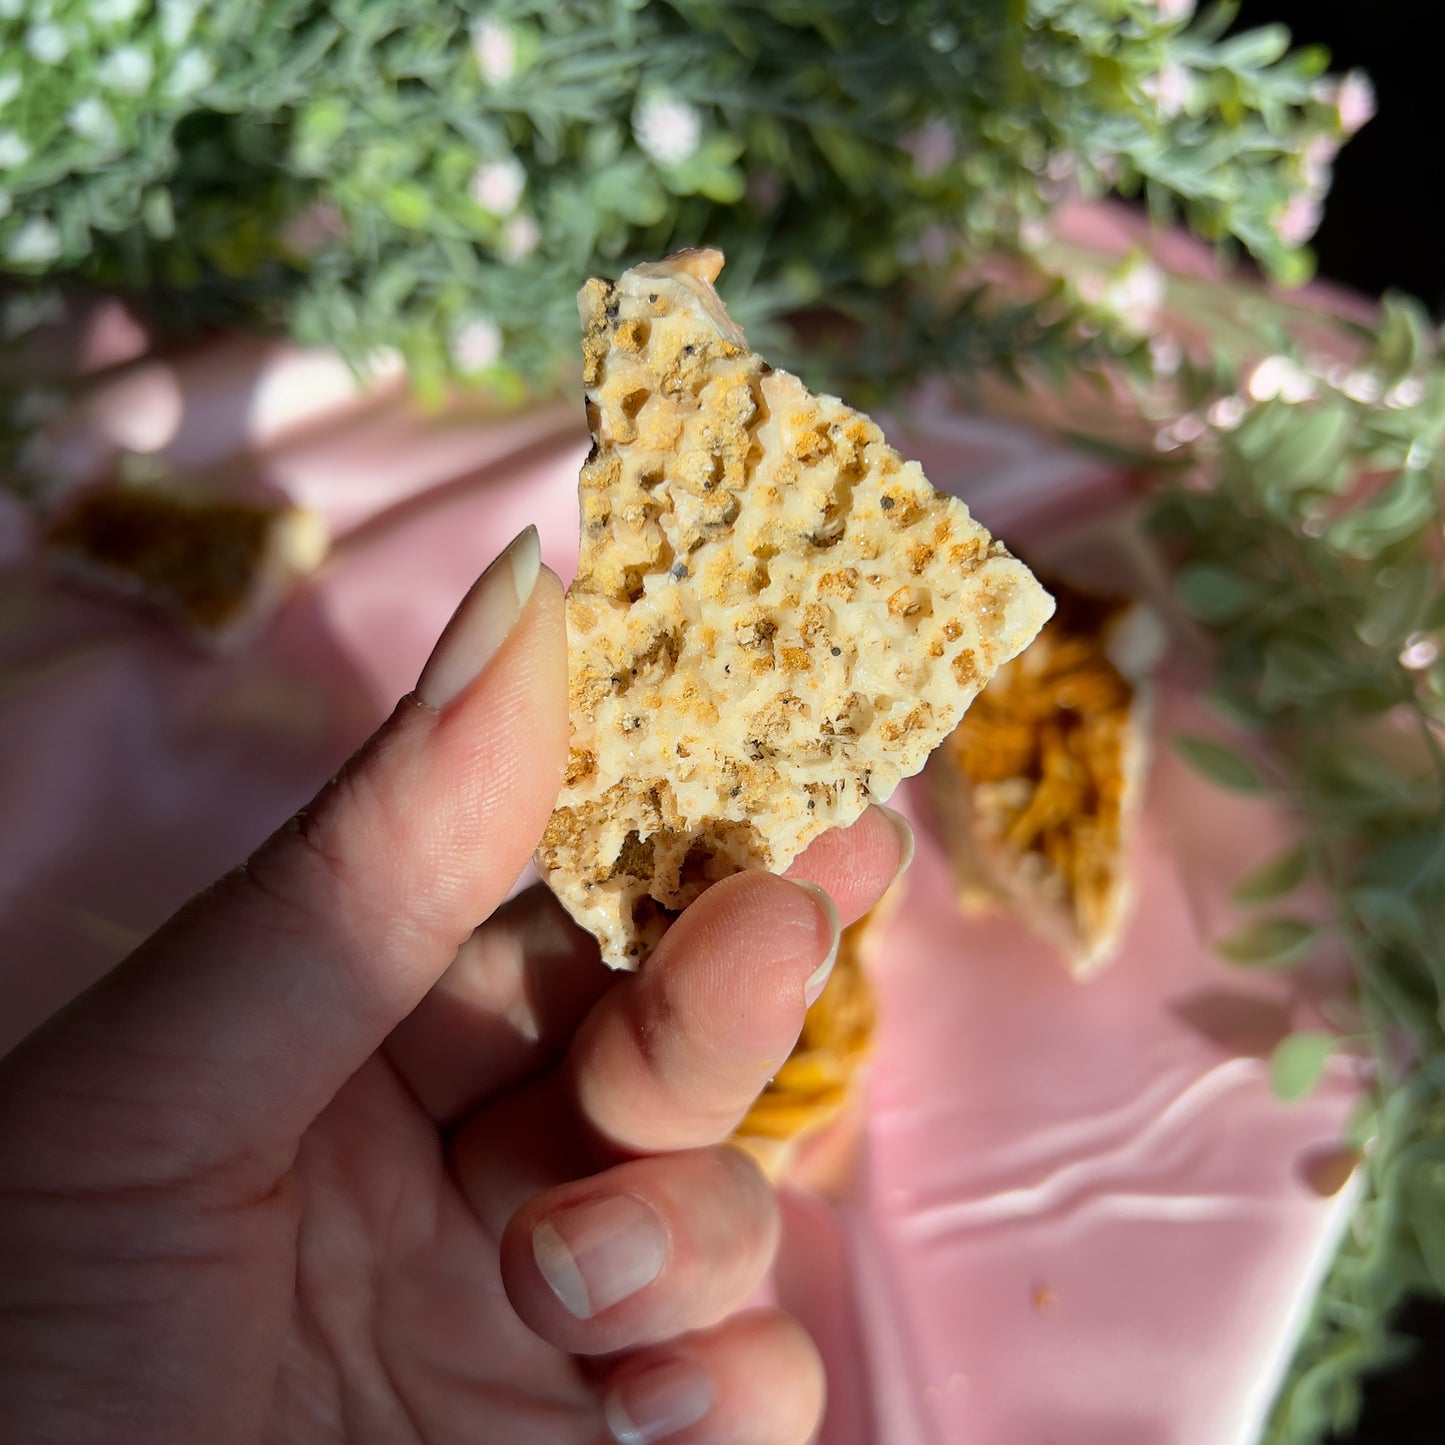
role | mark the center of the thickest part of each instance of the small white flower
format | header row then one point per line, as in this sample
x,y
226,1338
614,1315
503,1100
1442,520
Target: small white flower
x,y
190,73
1134,295
932,147
47,43
1172,10
1169,89
113,12
35,243
178,19
1034,233
1189,428
477,345
1363,387
1299,219
1355,101
1408,393
13,150
1227,413
92,119
1418,652
319,223
1279,376
495,47
1165,355
668,131
127,69
1060,167
519,238
11,9
9,87
384,363
497,186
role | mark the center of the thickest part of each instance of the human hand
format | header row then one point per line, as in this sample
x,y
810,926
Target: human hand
x,y
326,1161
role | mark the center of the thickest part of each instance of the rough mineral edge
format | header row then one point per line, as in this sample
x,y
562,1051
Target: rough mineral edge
x,y
1084,924
775,617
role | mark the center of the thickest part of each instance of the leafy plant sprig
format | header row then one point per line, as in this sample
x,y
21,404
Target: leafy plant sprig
x,y
1315,555
373,175
1301,496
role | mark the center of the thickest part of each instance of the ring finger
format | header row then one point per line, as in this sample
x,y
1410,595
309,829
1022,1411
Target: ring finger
x,y
642,1252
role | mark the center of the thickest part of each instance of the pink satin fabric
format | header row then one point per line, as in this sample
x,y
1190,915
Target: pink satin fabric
x,y
1073,1214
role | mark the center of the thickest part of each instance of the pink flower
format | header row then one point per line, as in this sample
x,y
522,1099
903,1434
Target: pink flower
x,y
519,238
1169,89
477,345
496,50
319,223
1355,101
932,147
1299,220
497,186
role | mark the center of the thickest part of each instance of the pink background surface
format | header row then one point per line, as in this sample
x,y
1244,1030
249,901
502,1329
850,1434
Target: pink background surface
x,y
1074,1215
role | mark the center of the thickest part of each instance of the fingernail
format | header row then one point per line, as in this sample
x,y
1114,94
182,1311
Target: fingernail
x,y
482,623
599,1253
657,1402
906,843
818,979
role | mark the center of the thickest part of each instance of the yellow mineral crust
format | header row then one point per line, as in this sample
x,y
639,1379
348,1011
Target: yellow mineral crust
x,y
1038,784
775,617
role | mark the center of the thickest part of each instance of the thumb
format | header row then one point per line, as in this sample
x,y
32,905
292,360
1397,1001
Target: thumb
x,y
234,1026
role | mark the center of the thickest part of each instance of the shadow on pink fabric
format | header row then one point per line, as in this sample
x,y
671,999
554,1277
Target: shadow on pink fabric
x,y
1073,1214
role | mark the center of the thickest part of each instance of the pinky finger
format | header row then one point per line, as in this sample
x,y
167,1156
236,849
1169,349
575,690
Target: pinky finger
x,y
754,1380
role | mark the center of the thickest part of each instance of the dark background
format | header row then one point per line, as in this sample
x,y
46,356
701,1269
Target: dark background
x,y
1391,178
1377,235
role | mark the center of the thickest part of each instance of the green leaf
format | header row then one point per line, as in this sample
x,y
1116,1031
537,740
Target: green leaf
x,y
1274,878
1309,452
1403,329
1268,943
1297,668
1296,1064
1404,506
408,204
1255,49
318,128
1214,595
1390,916
1220,764
1411,860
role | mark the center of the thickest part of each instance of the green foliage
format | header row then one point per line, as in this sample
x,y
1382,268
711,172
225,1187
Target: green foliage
x,y
1274,878
1220,764
1297,1063
379,174
1310,520
1268,942
435,178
